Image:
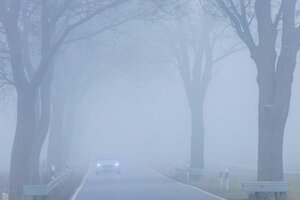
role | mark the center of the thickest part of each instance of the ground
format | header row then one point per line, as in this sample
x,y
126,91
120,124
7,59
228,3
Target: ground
x,y
3,184
210,183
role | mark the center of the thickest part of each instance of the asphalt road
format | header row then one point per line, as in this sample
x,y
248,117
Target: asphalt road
x,y
137,182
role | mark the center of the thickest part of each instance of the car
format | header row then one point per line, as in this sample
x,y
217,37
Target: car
x,y
108,164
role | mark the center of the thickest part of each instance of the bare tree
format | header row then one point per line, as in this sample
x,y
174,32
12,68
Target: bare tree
x,y
193,40
273,43
193,60
52,23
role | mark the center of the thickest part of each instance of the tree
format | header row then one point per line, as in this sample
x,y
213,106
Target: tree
x,y
273,49
195,74
192,42
52,22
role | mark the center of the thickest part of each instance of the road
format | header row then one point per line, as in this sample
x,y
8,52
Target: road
x,y
137,182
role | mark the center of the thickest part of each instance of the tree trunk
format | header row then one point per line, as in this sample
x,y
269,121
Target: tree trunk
x,y
270,144
56,142
20,156
197,134
41,134
34,175
42,128
275,84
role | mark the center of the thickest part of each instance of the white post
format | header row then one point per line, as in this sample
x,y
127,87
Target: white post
x,y
226,176
221,177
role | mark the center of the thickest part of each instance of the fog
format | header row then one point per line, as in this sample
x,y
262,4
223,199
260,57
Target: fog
x,y
165,84
150,119
147,116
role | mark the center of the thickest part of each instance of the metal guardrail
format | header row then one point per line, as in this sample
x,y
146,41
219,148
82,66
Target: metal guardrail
x,y
265,186
188,171
44,190
279,188
4,196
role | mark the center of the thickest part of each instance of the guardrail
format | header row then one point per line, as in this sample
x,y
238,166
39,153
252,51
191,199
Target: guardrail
x,y
4,196
188,171
42,191
279,188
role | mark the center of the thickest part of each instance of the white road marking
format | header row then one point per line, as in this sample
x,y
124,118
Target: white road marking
x,y
81,185
186,185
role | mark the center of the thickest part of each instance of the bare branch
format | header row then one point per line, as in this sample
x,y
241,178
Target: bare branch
x,y
75,25
106,28
46,59
161,7
59,12
239,22
234,48
234,9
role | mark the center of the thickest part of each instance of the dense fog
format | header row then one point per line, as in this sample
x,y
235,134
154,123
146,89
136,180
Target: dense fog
x,y
198,93
141,108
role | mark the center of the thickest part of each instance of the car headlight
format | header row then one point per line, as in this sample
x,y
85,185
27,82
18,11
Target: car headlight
x,y
116,164
99,165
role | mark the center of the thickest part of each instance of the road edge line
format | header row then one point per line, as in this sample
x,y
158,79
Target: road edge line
x,y
80,186
184,184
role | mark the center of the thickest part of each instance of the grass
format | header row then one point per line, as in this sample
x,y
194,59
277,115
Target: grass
x,y
210,182
294,186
